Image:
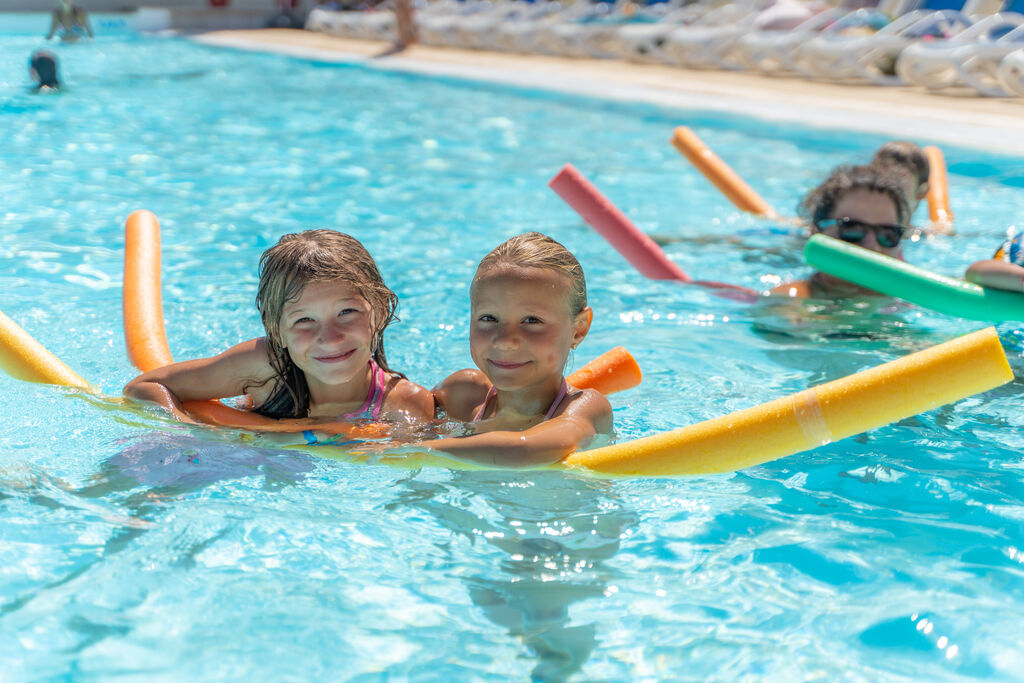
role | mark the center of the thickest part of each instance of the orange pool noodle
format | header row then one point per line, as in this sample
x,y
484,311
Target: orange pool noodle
x,y
144,332
938,187
829,412
720,174
141,298
612,371
24,358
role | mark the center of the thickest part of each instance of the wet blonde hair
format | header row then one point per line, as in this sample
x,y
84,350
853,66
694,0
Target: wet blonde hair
x,y
534,250
297,260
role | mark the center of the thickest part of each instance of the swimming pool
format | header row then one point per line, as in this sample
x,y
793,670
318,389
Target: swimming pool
x,y
138,550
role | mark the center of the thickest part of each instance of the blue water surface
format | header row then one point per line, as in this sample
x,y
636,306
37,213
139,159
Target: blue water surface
x,y
130,547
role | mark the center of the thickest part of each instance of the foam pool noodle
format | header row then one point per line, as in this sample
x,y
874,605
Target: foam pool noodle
x,y
938,189
720,174
829,412
24,358
897,278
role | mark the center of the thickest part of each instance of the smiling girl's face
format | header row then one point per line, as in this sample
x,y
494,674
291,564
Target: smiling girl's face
x,y
328,332
523,328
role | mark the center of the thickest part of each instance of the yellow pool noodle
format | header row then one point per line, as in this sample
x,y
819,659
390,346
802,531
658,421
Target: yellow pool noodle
x,y
868,399
22,357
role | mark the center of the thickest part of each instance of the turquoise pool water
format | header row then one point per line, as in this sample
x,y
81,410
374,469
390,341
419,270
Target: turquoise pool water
x,y
133,550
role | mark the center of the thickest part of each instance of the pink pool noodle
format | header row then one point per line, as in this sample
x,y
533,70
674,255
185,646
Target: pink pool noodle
x,y
639,249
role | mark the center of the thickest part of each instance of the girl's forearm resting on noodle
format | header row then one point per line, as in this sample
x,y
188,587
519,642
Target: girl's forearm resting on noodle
x,y
544,444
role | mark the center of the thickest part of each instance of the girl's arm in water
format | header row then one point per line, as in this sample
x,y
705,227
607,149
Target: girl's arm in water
x,y
996,273
228,374
584,416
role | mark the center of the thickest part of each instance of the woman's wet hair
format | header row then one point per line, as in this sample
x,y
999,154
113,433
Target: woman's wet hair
x,y
534,250
297,260
44,63
822,200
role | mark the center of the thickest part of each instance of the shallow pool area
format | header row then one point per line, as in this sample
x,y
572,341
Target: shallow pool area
x,y
131,547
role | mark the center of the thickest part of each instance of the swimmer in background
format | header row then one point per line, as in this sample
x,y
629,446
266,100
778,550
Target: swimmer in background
x,y
529,311
863,205
71,21
910,161
324,307
1005,270
42,67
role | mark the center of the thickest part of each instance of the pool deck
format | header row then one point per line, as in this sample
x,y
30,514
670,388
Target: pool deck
x,y
959,117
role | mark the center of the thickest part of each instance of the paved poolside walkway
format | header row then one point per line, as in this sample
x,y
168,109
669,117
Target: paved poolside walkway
x,y
959,117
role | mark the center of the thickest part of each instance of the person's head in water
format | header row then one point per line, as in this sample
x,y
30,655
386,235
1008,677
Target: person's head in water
x,y
865,205
43,69
910,162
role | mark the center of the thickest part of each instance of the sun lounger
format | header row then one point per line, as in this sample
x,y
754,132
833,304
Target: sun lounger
x,y
836,54
972,58
642,42
711,46
770,50
1011,72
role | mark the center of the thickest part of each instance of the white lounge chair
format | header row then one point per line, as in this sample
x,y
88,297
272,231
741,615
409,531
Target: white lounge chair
x,y
602,39
521,35
707,43
568,37
1011,72
435,28
972,58
478,31
644,42
836,55
771,51
373,24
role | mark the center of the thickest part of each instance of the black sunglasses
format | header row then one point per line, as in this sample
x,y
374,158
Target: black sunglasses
x,y
853,230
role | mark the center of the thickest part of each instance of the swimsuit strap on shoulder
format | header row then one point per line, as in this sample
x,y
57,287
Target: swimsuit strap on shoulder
x,y
479,415
558,400
381,379
374,397
491,393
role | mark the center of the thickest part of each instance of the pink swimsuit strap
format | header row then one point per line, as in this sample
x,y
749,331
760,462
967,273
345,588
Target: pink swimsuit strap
x,y
375,396
492,392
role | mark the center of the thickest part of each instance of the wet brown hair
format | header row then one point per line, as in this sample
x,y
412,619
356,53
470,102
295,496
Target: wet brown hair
x,y
534,250
297,260
906,156
821,201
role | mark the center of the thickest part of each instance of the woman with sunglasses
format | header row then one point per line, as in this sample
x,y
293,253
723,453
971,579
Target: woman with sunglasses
x,y
863,205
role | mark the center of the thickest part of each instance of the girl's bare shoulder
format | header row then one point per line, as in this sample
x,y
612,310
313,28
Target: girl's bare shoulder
x,y
411,399
461,393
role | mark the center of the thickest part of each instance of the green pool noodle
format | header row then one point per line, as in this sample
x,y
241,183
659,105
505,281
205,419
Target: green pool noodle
x,y
899,279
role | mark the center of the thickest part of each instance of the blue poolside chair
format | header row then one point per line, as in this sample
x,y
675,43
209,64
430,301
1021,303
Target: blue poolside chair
x,y
973,58
858,52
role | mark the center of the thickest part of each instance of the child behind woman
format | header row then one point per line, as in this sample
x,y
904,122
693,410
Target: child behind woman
x,y
1005,270
324,307
529,311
